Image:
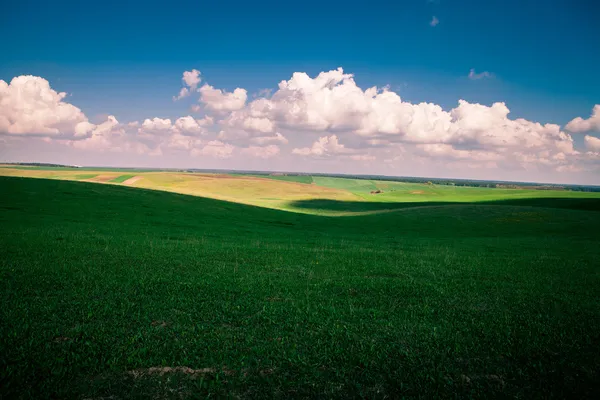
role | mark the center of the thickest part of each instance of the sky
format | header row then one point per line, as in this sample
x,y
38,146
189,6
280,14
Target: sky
x,y
502,90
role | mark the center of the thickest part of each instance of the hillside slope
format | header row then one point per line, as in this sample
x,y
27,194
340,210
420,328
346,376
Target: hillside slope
x,y
102,285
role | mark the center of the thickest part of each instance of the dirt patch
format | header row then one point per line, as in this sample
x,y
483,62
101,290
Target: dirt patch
x,y
102,178
161,371
162,324
131,181
417,192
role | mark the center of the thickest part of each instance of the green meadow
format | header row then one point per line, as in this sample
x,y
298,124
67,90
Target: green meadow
x,y
122,178
192,286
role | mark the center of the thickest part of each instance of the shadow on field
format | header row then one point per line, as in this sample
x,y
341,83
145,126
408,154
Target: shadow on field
x,y
590,204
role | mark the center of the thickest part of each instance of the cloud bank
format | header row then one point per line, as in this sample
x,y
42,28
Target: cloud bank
x,y
323,118
483,75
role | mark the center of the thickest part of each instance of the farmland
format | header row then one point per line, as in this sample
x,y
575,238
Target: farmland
x,y
179,285
305,194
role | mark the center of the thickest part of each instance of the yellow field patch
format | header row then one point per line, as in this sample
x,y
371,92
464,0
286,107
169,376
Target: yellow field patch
x,y
250,190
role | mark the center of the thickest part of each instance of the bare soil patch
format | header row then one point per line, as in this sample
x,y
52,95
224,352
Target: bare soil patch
x,y
417,192
132,180
101,178
161,371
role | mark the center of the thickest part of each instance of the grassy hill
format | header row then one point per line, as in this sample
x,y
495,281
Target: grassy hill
x,y
306,194
109,290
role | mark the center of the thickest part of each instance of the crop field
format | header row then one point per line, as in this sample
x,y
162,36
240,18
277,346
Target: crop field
x,y
146,284
305,194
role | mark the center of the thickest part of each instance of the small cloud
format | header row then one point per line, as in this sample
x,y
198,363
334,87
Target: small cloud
x,y
263,93
586,125
434,21
475,76
190,79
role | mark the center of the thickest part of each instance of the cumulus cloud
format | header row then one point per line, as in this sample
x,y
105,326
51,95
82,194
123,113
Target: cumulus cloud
x,y
326,146
190,79
434,21
592,143
214,148
449,152
102,136
115,137
29,106
372,123
475,76
332,103
585,125
155,126
184,125
190,126
261,152
177,141
222,101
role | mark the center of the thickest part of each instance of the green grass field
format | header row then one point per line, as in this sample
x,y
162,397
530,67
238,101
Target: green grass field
x,y
122,178
294,290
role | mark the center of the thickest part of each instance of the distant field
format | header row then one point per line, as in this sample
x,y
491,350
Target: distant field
x,y
121,178
306,194
85,176
114,292
307,179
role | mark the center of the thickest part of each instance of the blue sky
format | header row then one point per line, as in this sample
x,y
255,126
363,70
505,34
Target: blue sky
x,y
126,58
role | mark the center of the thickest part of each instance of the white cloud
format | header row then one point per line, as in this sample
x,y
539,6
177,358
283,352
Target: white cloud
x,y
184,92
177,141
221,101
585,125
190,126
261,152
242,137
263,93
29,106
333,103
101,137
156,126
373,123
434,21
247,122
592,143
447,151
158,130
115,137
263,140
326,146
475,76
214,148
190,79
